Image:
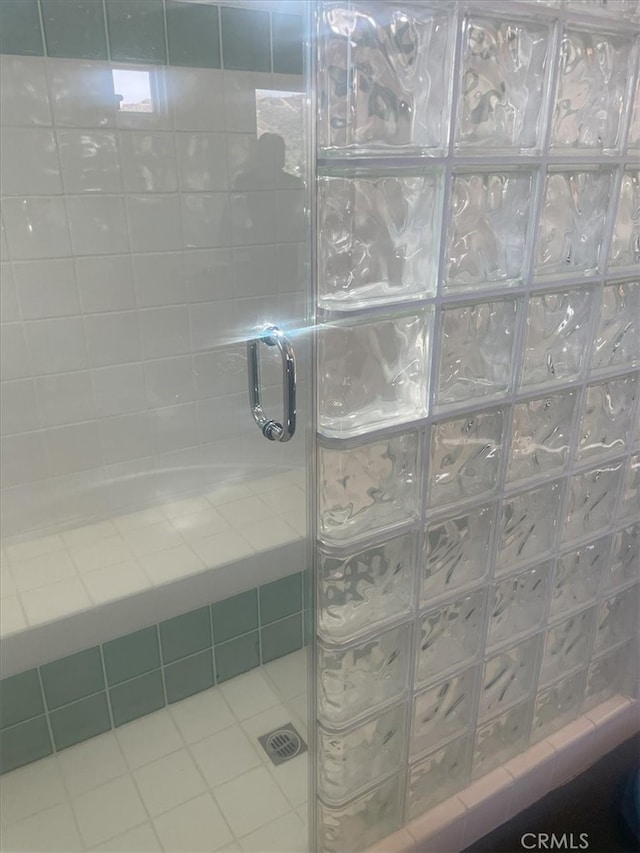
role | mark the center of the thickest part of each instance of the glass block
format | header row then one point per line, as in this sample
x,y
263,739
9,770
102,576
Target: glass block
x,y
591,501
476,350
607,417
360,823
578,574
528,526
557,336
488,229
439,776
558,706
617,619
443,711
566,645
456,551
573,222
378,238
541,435
509,676
630,501
633,138
609,674
625,244
361,590
372,375
504,65
450,636
624,565
610,8
384,78
368,487
618,335
518,603
465,455
350,760
595,68
500,739
360,678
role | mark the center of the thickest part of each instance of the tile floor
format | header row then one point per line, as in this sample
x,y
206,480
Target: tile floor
x,y
191,777
54,576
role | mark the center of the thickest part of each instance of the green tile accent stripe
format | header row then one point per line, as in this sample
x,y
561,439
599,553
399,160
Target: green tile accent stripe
x,y
74,28
131,655
20,28
72,678
234,616
84,694
158,32
185,635
245,39
137,31
193,34
137,697
80,721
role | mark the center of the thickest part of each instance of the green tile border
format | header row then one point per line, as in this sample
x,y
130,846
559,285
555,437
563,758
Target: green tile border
x,y
64,702
158,32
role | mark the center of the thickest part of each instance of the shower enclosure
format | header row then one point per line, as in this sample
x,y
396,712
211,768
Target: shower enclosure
x,y
320,365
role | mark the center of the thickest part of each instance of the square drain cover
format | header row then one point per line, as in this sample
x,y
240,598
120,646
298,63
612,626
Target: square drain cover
x,y
283,744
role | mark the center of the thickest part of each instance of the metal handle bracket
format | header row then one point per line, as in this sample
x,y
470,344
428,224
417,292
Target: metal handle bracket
x,y
272,336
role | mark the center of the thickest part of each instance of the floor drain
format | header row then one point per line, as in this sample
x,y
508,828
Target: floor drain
x,y
283,744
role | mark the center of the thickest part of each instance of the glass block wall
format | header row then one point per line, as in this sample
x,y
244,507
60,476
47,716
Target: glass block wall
x,y
478,449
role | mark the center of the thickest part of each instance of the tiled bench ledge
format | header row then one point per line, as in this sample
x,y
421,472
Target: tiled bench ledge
x,y
66,592
500,795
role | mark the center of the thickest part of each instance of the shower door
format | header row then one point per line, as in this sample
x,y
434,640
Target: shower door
x,y
156,421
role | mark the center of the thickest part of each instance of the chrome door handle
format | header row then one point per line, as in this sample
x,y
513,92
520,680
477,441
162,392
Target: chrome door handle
x,y
272,336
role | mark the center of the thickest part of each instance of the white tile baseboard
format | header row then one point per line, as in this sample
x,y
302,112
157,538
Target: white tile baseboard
x,y
500,795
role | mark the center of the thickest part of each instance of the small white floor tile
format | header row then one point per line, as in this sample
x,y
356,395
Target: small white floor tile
x,y
193,827
289,674
135,520
51,830
108,811
142,839
200,525
100,555
202,715
166,566
251,801
169,781
116,582
92,763
225,755
43,571
249,694
31,789
269,533
188,506
12,618
144,740
90,534
287,834
293,779
222,548
228,493
246,512
149,540
54,601
35,547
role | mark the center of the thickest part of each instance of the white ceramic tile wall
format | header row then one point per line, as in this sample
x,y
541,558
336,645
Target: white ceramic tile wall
x,y
132,270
